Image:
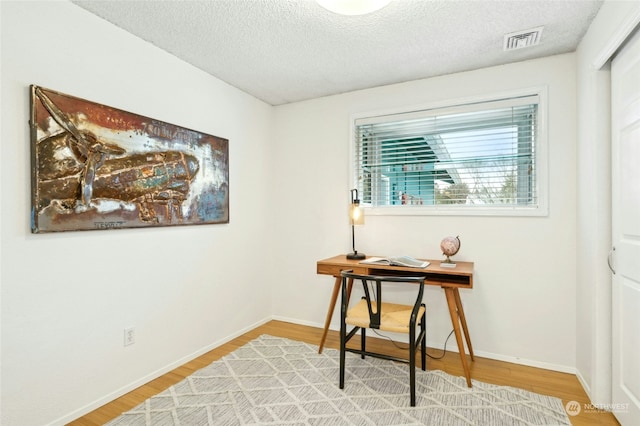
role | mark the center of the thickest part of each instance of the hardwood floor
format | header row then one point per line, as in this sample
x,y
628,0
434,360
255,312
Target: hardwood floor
x,y
561,385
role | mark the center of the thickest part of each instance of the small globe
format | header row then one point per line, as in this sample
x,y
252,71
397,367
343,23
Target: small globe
x,y
450,246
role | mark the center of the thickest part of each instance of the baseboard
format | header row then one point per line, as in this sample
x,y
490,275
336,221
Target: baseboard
x,y
584,384
452,347
297,321
528,362
159,372
151,376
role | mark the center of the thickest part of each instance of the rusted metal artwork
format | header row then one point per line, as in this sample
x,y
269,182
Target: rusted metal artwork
x,y
98,167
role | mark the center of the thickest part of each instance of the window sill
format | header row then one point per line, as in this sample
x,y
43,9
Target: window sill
x,y
448,210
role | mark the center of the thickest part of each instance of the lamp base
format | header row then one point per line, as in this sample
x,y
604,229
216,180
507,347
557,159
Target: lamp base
x,y
356,256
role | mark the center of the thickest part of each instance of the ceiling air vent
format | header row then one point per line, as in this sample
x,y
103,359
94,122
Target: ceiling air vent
x,y
521,39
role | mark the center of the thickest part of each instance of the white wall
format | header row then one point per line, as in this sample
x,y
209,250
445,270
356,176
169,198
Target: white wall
x,y
67,297
522,307
593,292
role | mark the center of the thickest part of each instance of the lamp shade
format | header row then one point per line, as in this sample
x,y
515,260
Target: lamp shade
x,y
356,214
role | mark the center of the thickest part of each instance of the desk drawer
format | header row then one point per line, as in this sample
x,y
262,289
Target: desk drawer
x,y
336,269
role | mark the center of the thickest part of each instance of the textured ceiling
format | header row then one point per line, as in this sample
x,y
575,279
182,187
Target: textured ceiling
x,y
285,51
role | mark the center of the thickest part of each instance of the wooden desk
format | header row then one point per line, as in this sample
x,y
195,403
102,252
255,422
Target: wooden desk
x,y
450,279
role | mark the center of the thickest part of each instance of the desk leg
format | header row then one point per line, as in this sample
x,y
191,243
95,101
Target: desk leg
x,y
332,305
463,321
455,320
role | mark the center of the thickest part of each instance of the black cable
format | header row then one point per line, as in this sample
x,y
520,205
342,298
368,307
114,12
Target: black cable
x,y
444,351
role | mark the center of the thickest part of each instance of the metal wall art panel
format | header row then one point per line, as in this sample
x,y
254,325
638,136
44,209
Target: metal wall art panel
x,y
98,167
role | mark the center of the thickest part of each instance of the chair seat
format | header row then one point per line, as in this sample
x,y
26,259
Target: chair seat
x,y
394,318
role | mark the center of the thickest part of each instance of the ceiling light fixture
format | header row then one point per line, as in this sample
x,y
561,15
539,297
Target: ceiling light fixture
x,y
353,7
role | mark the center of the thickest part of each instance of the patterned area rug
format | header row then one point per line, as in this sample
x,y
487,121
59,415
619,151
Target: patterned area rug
x,y
276,381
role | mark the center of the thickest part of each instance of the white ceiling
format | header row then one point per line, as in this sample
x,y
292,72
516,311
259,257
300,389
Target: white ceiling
x,y
285,51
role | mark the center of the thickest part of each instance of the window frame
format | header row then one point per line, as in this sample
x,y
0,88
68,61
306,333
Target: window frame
x,y
541,158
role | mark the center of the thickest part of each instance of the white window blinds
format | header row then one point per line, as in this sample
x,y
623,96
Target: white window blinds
x,y
481,154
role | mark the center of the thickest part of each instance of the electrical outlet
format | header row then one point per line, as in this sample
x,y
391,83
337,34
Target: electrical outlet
x,y
129,336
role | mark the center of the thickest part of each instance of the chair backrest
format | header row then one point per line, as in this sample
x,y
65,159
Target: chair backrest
x,y
377,298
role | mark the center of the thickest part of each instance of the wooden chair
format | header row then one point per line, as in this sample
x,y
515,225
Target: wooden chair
x,y
374,313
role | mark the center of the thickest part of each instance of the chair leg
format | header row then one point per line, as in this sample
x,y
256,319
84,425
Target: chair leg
x,y
423,343
343,334
412,366
342,356
363,341
342,359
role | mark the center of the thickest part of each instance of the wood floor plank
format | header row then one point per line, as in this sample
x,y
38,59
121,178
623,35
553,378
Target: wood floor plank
x,y
562,385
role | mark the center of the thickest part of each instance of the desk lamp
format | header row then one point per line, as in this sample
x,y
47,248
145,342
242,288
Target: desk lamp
x,y
356,216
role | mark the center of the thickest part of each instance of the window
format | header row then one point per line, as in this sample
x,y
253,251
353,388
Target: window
x,y
476,158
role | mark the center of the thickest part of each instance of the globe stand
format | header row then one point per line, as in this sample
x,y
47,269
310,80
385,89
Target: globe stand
x,y
447,263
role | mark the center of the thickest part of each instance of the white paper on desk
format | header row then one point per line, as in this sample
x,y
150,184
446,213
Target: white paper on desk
x,y
406,261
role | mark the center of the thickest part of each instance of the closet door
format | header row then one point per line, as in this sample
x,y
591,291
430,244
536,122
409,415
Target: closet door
x,y
625,123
